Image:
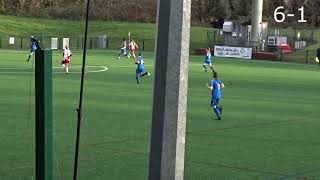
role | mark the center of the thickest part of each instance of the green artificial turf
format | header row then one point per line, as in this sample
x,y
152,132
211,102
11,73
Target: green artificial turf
x,y
270,125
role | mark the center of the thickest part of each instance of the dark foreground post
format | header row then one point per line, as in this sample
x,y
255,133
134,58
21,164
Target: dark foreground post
x,y
167,146
43,94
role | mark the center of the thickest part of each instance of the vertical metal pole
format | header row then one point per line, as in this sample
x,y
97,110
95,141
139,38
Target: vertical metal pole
x,y
167,144
60,46
41,41
209,41
82,42
43,91
91,43
143,45
307,54
21,42
79,110
214,39
77,42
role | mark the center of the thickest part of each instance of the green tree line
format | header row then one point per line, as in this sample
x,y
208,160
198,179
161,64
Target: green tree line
x,y
204,12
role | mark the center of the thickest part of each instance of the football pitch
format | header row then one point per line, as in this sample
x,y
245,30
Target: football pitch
x,y
269,129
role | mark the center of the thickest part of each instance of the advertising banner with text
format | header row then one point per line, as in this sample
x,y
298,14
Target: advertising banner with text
x,y
233,52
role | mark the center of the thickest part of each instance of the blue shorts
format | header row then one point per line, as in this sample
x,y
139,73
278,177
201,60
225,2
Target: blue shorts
x,y
139,70
215,102
123,50
207,62
33,50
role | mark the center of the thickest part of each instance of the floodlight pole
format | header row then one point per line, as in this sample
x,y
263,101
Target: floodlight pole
x,y
43,113
167,144
79,110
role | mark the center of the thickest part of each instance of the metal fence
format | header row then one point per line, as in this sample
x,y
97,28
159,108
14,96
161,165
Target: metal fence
x,y
300,56
112,43
115,43
23,42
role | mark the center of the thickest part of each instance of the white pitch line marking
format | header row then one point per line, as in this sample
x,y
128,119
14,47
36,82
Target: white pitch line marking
x,y
128,66
104,68
15,68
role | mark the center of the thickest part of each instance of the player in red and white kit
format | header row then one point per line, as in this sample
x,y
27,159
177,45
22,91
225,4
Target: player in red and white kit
x,y
66,59
133,45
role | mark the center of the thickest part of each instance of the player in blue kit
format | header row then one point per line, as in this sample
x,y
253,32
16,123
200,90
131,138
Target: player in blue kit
x,y
123,49
207,60
34,45
215,87
140,69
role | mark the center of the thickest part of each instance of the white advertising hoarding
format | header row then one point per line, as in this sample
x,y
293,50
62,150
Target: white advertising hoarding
x,y
233,52
65,42
11,40
54,43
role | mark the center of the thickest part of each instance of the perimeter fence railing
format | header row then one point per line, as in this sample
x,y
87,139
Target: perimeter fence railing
x,y
94,42
114,43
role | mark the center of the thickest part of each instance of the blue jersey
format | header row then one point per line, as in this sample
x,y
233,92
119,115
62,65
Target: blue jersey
x,y
216,88
33,46
124,46
207,58
140,63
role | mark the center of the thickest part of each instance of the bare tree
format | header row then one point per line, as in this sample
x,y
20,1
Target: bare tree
x,y
203,11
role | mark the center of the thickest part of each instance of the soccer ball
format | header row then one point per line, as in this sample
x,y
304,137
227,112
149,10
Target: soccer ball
x,y
63,65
